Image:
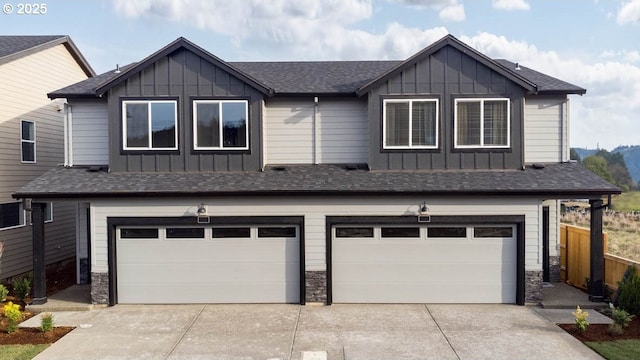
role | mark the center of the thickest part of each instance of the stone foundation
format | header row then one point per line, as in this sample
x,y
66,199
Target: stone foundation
x,y
533,287
99,288
554,268
316,286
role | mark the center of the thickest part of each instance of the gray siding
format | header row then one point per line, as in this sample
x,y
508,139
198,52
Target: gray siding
x,y
184,75
89,131
447,74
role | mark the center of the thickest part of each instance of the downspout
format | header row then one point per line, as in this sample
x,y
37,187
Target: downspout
x,y
68,135
315,130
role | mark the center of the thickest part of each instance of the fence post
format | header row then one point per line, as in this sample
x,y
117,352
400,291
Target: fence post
x,y
596,276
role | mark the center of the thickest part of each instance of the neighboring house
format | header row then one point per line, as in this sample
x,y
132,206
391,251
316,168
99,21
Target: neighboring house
x,y
32,142
434,179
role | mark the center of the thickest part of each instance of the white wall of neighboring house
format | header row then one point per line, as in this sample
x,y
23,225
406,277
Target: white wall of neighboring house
x,y
88,121
24,83
546,134
315,210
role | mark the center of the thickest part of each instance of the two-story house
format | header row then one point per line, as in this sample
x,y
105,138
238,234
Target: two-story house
x,y
32,142
433,179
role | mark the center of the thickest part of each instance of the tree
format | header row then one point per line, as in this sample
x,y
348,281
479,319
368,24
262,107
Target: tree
x,y
598,165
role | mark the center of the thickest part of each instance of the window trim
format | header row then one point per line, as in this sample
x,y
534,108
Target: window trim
x,y
150,147
410,101
194,124
34,142
48,209
481,145
23,218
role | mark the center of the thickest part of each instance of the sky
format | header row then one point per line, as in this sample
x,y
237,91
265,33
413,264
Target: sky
x,y
594,44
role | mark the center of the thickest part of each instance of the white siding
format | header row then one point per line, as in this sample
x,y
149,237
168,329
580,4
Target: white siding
x,y
315,210
545,130
298,132
90,132
24,84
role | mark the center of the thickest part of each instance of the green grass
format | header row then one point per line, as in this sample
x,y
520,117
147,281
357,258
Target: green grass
x,y
628,201
617,350
20,352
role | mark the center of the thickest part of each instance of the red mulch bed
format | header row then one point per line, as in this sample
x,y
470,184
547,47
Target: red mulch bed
x,y
598,332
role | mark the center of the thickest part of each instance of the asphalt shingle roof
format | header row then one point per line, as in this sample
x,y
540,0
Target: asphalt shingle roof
x,y
560,180
10,45
86,88
544,82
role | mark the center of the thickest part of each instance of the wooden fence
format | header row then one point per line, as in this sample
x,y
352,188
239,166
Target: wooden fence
x,y
575,263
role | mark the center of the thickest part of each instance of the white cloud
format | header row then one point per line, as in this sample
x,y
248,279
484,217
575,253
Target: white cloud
x,y
629,12
452,13
510,5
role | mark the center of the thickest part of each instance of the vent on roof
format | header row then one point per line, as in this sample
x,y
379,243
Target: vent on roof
x,y
518,67
117,71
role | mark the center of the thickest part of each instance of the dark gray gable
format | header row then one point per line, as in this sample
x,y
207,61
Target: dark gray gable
x,y
448,40
181,43
16,47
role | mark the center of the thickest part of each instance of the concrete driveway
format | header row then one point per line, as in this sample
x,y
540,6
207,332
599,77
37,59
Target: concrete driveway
x,y
345,332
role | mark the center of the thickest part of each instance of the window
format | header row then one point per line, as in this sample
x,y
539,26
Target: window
x,y
400,232
48,213
220,125
271,232
410,123
242,232
482,123
150,125
493,232
28,141
354,232
11,215
138,233
185,233
447,232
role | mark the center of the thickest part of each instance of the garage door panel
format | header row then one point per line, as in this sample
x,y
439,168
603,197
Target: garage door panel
x,y
424,270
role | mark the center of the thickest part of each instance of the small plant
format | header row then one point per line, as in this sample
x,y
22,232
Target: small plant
x,y
615,329
13,314
581,319
21,287
3,293
46,322
629,291
621,317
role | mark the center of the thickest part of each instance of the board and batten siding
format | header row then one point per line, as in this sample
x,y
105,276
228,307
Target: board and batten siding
x,y
446,75
89,123
24,84
315,210
333,131
184,76
546,137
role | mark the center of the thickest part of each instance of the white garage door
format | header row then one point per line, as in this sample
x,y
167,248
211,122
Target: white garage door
x,y
454,264
207,264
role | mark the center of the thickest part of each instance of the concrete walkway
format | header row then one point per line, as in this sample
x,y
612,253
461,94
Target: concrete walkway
x,y
337,332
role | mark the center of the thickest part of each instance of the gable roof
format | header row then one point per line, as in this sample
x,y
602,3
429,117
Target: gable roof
x,y
449,40
181,43
545,83
16,47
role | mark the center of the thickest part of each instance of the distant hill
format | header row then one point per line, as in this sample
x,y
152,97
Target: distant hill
x,y
631,155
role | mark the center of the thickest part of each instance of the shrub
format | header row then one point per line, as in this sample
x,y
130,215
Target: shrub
x,y
13,314
615,329
3,293
621,317
629,291
581,319
22,287
46,322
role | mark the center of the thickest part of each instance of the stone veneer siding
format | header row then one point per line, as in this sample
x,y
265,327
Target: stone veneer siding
x,y
554,268
99,288
533,287
316,286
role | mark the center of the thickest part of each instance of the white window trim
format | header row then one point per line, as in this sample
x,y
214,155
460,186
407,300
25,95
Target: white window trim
x,y
220,125
35,157
481,145
410,146
24,214
150,146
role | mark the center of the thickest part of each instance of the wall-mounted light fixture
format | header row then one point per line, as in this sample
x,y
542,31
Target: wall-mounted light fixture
x,y
201,213
423,215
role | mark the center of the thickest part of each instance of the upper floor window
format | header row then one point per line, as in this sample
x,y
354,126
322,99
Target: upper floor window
x,y
220,124
410,123
11,215
28,141
150,125
482,123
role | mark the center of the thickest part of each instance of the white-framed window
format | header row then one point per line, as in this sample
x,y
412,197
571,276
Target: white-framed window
x,y
221,124
28,141
150,124
11,215
410,123
482,123
48,213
